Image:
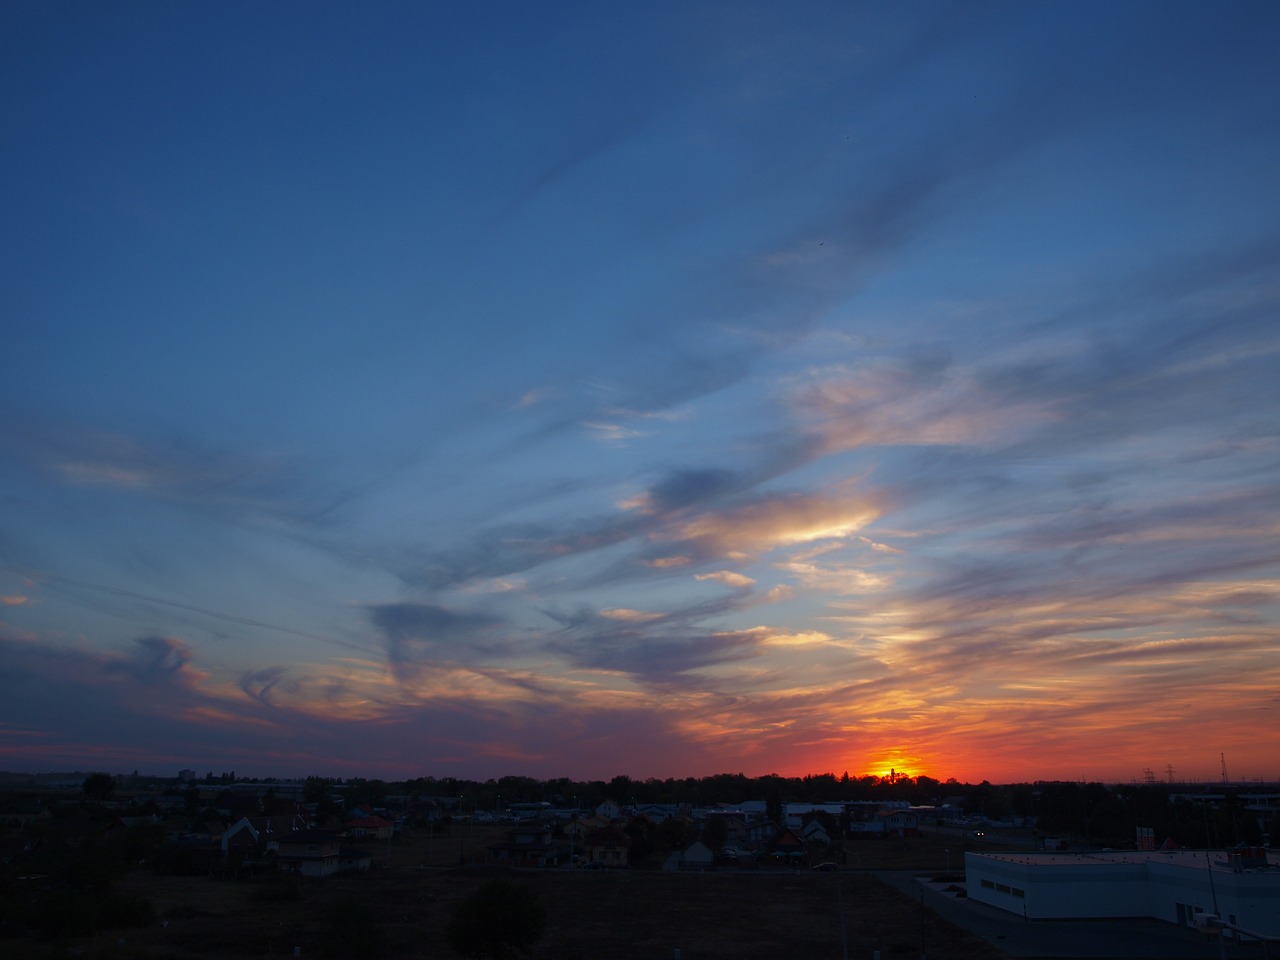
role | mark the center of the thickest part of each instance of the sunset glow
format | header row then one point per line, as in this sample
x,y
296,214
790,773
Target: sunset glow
x,y
473,391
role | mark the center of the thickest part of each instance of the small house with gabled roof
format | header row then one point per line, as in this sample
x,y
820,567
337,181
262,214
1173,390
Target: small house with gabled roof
x,y
609,809
610,846
697,856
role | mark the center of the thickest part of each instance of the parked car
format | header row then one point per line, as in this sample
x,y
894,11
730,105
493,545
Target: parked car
x,y
826,866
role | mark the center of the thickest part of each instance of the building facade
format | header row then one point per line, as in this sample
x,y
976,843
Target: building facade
x,y
1181,886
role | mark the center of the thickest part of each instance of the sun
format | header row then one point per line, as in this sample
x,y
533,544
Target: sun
x,y
894,765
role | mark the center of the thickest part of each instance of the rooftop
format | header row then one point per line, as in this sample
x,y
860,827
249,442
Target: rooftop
x,y
1183,858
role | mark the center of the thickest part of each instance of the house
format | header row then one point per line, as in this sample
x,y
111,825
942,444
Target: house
x,y
610,810
658,812
532,810
697,856
905,823
815,832
610,846
863,816
735,829
794,815
528,844
314,853
370,828
785,845
256,836
759,833
578,828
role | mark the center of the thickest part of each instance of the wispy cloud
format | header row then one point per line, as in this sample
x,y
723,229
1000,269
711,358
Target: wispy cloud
x,y
167,468
729,578
812,392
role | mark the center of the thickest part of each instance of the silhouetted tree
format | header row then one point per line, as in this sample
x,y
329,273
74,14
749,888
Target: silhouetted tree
x,y
641,834
674,833
315,789
715,832
98,786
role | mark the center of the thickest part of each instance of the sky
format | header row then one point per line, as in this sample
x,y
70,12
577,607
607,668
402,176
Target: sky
x,y
657,389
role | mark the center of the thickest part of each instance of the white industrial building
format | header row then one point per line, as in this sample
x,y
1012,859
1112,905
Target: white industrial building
x,y
1241,887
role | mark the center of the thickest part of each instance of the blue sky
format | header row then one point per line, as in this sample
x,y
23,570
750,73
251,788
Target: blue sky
x,y
661,390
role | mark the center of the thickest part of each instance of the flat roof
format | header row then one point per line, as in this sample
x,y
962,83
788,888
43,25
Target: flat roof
x,y
1183,858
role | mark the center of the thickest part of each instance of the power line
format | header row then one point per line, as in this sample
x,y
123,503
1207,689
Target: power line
x,y
190,607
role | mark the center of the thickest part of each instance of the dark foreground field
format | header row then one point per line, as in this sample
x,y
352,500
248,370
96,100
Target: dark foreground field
x,y
618,915
401,908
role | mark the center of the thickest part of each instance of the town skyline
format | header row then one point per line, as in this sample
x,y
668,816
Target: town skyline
x,y
798,388
1168,777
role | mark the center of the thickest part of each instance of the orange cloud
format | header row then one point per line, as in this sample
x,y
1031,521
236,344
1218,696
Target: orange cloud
x,y
728,577
630,616
797,639
777,594
767,524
